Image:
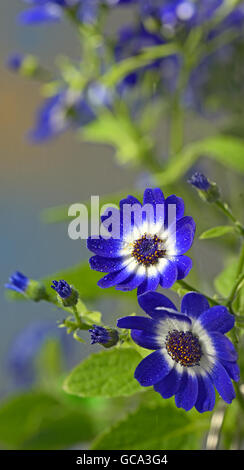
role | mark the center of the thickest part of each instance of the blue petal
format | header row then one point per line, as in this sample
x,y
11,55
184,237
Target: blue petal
x,y
112,279
169,386
194,304
179,206
151,300
217,318
149,284
98,263
169,275
41,14
187,394
232,369
153,196
183,264
145,339
137,323
223,382
206,394
109,248
152,369
132,282
185,232
224,347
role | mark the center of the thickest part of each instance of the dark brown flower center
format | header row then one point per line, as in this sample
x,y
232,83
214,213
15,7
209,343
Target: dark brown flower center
x,y
148,249
184,348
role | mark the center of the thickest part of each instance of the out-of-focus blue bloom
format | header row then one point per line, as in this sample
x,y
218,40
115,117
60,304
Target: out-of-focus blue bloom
x,y
51,11
18,282
200,181
107,337
148,252
60,112
175,13
191,354
23,352
14,61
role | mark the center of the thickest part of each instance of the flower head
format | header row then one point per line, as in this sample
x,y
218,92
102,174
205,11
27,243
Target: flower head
x,y
147,251
107,337
18,282
192,354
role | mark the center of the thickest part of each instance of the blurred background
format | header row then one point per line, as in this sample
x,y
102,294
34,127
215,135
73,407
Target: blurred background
x,y
35,177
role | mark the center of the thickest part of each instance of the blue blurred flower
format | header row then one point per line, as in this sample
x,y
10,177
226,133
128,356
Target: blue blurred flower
x,y
147,252
66,109
14,61
18,282
192,354
51,11
26,346
107,337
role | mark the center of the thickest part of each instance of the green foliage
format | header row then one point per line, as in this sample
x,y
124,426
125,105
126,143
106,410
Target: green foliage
x,y
153,426
38,420
227,150
216,232
105,374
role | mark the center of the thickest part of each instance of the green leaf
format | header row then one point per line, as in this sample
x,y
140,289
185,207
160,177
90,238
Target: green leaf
x,y
105,374
126,66
216,232
225,280
153,427
37,420
119,131
227,150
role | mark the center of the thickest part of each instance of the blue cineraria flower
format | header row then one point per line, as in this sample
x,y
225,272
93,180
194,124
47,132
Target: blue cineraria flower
x,y
175,13
27,345
18,282
207,190
51,11
15,61
66,109
147,251
192,354
107,337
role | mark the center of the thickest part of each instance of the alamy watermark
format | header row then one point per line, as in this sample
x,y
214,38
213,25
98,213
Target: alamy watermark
x,y
111,221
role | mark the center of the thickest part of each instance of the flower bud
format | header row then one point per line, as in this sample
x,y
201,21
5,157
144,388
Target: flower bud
x,y
207,190
65,293
107,337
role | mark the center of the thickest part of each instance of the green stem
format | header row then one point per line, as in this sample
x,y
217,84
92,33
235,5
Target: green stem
x,y
187,286
227,211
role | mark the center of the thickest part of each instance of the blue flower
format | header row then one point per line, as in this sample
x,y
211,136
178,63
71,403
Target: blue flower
x,y
18,282
200,181
66,109
27,345
176,13
107,337
51,11
191,354
145,252
14,61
